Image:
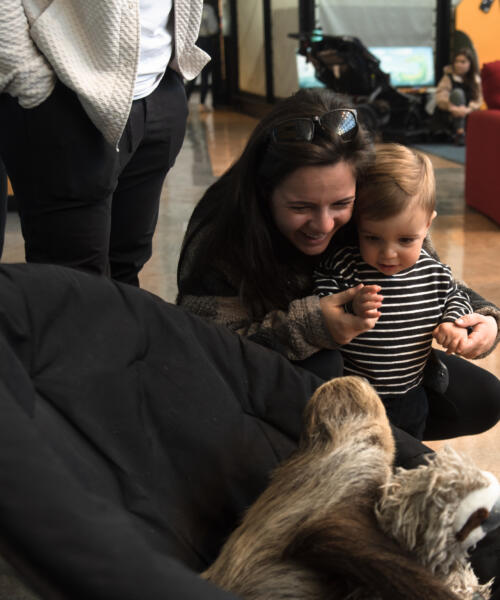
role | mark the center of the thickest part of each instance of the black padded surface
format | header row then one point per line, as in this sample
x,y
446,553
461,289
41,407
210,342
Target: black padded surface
x,y
133,435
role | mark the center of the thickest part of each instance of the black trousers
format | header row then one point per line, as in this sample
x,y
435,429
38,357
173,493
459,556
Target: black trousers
x,y
409,411
205,43
3,203
81,203
470,404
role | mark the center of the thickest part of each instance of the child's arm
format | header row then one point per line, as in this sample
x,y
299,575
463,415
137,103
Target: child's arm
x,y
447,334
367,301
335,275
451,337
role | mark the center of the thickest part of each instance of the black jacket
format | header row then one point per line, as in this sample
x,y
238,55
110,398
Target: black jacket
x,y
133,436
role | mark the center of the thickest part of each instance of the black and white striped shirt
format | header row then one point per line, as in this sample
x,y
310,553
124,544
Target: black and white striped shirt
x,y
393,354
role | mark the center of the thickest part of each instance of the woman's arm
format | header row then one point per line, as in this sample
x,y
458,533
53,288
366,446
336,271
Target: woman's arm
x,y
484,322
24,72
296,333
308,325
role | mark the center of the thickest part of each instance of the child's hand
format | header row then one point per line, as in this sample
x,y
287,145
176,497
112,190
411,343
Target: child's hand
x,y
367,301
451,337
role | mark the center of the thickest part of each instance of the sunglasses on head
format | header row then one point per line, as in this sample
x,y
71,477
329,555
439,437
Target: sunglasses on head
x,y
342,122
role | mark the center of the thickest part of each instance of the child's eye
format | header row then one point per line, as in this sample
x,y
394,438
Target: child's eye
x,y
406,240
371,238
299,208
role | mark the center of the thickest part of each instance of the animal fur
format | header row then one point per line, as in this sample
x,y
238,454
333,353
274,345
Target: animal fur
x,y
418,509
314,535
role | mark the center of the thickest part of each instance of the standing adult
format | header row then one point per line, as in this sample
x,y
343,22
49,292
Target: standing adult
x,y
3,203
93,115
458,93
255,237
209,29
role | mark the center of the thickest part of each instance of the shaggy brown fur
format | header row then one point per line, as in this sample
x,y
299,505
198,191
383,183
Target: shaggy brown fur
x,y
312,534
418,509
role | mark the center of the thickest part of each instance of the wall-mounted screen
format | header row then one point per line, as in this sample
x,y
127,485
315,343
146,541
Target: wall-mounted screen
x,y
408,66
306,73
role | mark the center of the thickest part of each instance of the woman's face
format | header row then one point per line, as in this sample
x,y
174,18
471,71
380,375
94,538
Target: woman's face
x,y
461,64
312,203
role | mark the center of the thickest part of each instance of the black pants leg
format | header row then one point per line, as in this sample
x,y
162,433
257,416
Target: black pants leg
x,y
3,203
470,405
63,173
206,43
409,411
70,183
148,149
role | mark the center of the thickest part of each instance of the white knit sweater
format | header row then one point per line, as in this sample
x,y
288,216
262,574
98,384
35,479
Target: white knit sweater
x,y
92,46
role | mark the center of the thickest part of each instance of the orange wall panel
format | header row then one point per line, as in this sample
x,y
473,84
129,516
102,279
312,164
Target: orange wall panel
x,y
482,28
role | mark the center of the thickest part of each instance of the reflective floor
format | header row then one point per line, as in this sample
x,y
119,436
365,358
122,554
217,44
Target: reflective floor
x,y
467,241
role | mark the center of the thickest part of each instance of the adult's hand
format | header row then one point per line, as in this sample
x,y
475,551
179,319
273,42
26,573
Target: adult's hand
x,y
344,326
482,337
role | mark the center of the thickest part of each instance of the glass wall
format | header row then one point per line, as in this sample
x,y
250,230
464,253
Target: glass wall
x,y
380,22
251,53
285,20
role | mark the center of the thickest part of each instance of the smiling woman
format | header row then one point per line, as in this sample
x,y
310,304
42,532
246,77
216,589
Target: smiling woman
x,y
312,204
257,235
254,238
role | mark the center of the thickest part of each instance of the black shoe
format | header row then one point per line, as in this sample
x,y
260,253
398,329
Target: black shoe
x,y
459,139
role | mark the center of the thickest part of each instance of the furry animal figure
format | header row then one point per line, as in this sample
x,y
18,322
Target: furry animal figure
x,y
335,523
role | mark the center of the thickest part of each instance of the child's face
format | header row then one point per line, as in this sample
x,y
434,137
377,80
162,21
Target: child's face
x,y
394,244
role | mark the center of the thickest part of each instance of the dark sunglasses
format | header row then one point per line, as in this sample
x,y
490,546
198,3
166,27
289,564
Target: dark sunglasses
x,y
342,122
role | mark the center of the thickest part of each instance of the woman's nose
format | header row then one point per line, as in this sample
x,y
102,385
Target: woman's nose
x,y
324,222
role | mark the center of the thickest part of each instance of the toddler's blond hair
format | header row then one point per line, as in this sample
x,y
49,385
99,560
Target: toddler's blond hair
x,y
398,177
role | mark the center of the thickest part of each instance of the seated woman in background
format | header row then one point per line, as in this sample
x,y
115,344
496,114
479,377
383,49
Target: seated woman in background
x,y
258,233
458,94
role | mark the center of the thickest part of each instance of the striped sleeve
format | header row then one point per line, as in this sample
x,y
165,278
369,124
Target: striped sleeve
x,y
336,273
457,302
393,354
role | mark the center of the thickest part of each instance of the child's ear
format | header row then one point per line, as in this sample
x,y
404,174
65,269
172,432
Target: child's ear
x,y
431,218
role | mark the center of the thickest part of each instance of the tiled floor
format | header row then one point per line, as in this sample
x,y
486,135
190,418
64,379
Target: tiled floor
x,y
466,240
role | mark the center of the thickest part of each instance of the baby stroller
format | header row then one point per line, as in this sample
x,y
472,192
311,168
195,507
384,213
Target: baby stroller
x,y
343,64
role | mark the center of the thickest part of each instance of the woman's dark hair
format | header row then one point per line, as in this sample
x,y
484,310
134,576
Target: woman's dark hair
x,y
232,224
471,77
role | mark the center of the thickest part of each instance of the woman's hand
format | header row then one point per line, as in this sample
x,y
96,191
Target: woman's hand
x,y
482,337
343,326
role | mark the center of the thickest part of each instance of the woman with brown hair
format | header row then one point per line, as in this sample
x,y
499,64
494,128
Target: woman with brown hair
x,y
458,94
257,234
